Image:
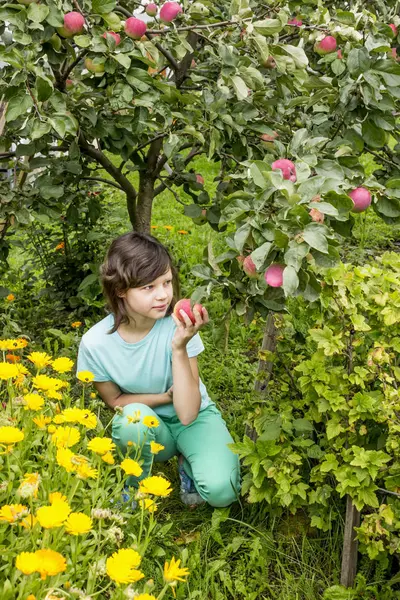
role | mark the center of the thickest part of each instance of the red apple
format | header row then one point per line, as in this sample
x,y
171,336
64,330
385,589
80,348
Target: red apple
x,y
69,84
316,215
361,198
393,28
151,9
184,305
249,267
295,22
326,45
269,138
135,28
169,11
199,179
73,24
274,275
116,36
339,54
93,67
269,63
287,167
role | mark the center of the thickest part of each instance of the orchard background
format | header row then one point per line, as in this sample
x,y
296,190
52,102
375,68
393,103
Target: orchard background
x,y
259,142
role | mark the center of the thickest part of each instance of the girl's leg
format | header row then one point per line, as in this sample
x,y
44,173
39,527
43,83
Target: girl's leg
x,y
213,467
125,430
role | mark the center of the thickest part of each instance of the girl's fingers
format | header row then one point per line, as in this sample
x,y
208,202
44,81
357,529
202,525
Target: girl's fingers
x,y
185,317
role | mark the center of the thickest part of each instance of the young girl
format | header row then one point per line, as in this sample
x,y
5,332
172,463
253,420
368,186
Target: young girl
x,y
144,360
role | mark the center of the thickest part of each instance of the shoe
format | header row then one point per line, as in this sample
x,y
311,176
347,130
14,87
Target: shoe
x,y
189,495
124,499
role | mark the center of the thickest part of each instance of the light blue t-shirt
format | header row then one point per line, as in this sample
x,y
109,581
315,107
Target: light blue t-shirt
x,y
144,367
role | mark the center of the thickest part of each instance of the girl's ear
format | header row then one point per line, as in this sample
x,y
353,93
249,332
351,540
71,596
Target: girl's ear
x,y
121,294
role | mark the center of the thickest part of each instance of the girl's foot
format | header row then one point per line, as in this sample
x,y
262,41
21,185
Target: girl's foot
x,y
124,499
189,494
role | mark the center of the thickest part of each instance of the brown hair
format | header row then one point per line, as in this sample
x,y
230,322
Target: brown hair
x,y
134,259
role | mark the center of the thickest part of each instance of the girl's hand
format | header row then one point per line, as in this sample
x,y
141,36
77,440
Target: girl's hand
x,y
185,331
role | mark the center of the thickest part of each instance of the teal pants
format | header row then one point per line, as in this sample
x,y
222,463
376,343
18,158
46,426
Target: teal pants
x,y
208,461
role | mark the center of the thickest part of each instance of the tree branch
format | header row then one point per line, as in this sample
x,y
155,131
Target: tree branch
x,y
72,66
107,181
165,185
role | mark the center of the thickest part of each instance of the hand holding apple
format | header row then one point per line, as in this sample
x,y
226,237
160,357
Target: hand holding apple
x,y
188,322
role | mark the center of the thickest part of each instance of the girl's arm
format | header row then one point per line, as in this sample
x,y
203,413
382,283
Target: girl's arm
x,y
186,397
112,396
185,375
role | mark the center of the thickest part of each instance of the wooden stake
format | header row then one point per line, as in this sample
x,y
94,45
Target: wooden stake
x,y
350,545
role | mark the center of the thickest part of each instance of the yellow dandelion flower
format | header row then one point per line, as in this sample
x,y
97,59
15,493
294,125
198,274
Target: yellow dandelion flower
x,y
183,232
80,415
122,566
13,358
60,246
76,324
55,497
10,435
101,445
153,226
151,421
8,371
85,376
28,522
13,344
33,402
131,467
10,297
134,418
108,458
27,562
31,597
54,395
22,370
62,364
40,359
29,485
173,572
156,448
145,597
58,420
52,429
54,515
41,421
78,523
45,383
156,486
148,504
50,563
64,459
65,437
12,512
168,227
93,395
84,471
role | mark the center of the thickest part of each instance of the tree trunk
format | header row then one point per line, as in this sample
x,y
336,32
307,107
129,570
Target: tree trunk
x,y
144,203
264,366
350,545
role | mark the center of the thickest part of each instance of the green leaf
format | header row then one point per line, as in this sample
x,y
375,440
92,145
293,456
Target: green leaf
x,y
298,55
17,106
83,41
290,281
39,129
315,238
89,279
303,425
373,135
333,429
37,12
241,236
260,254
123,60
52,191
268,26
240,87
103,6
329,464
325,208
44,87
358,61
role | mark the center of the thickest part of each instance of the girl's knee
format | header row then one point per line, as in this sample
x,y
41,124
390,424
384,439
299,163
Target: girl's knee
x,y
220,492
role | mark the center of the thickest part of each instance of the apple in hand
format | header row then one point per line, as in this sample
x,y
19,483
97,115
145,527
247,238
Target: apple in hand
x,y
184,305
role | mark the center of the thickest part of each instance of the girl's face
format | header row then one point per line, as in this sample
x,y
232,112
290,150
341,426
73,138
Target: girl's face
x,y
151,300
